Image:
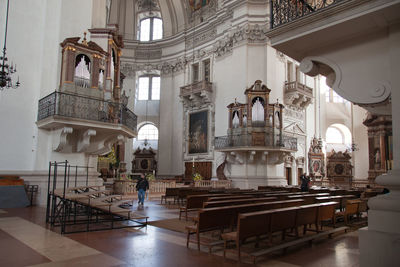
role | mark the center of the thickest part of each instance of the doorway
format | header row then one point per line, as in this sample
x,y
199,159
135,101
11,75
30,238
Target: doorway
x,y
299,173
289,175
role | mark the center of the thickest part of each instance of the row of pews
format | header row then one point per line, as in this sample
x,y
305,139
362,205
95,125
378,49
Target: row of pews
x,y
240,215
78,205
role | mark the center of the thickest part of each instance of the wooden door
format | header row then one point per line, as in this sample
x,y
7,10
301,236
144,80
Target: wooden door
x,y
299,173
203,168
289,175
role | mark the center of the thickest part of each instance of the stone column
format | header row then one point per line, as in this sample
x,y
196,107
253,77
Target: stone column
x,y
380,241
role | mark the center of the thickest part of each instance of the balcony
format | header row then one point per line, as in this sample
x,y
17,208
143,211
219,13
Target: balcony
x,y
299,27
297,94
266,148
284,11
90,123
272,142
198,93
348,41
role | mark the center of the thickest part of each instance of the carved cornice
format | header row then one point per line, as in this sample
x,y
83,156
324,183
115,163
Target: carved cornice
x,y
248,33
166,67
148,53
201,38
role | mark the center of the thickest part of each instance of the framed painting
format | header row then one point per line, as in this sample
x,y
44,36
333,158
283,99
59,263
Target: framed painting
x,y
198,132
197,4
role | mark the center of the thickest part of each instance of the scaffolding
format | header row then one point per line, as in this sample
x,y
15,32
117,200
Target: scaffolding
x,y
74,207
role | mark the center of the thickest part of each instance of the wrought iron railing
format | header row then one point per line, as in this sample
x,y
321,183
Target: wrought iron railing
x,y
83,107
246,140
284,11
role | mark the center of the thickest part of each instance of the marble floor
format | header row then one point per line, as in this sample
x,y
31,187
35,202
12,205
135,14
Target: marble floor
x,y
26,240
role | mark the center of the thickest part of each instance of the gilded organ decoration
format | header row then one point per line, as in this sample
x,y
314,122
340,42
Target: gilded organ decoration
x,y
256,123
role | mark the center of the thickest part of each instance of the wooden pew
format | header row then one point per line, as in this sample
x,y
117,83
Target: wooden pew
x,y
170,193
221,203
339,198
327,212
256,224
226,197
249,225
226,217
283,196
308,198
195,202
352,208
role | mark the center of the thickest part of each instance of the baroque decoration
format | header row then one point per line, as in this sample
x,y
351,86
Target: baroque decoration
x,y
339,167
316,159
255,130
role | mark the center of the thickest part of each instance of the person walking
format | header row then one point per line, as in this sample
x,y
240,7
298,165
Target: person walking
x,y
141,187
304,182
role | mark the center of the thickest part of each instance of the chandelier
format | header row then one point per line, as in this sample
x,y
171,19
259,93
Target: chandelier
x,y
5,69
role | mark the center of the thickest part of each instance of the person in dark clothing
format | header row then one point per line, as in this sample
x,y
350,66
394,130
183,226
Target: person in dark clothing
x,y
141,187
304,182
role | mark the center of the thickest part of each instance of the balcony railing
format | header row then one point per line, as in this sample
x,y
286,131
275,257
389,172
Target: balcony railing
x,y
284,11
297,86
273,141
82,107
196,87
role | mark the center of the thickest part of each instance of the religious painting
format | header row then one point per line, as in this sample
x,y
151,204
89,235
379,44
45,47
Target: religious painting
x,y
316,166
198,132
197,4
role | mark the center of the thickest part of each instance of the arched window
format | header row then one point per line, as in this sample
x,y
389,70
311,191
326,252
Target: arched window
x,y
334,136
150,29
149,87
148,132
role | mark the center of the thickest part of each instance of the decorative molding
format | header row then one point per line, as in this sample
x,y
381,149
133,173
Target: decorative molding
x,y
63,145
201,38
104,144
84,141
148,5
300,161
294,114
288,160
295,128
201,14
281,56
275,158
376,91
148,53
251,33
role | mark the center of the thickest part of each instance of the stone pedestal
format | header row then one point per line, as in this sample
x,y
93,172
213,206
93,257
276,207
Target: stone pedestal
x,y
380,241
